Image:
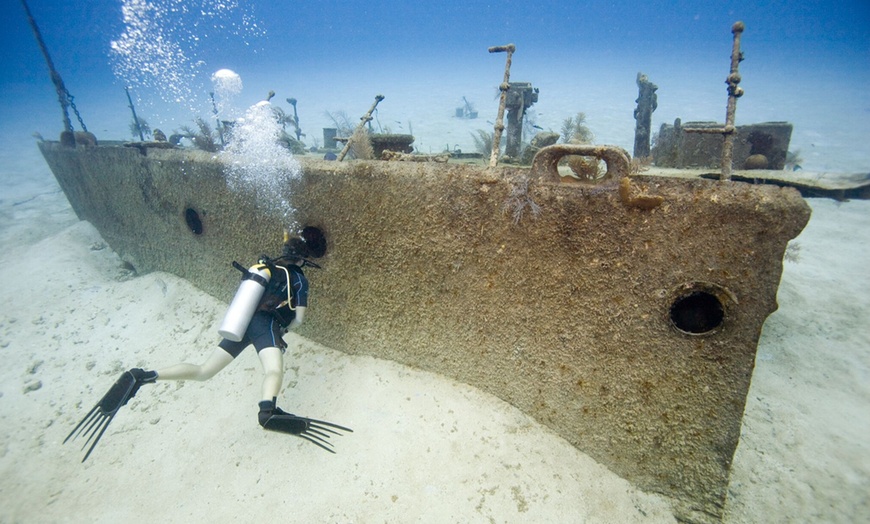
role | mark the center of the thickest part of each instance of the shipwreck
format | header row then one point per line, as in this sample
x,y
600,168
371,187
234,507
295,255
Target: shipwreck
x,y
623,313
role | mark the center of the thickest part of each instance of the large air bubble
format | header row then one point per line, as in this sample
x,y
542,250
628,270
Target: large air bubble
x,y
227,85
163,49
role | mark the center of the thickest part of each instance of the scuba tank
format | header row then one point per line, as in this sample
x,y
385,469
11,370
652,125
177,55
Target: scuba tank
x,y
244,304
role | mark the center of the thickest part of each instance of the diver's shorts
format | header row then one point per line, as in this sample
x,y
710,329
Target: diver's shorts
x,y
263,332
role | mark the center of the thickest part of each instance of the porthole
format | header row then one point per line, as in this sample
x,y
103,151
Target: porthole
x,y
316,241
699,308
194,222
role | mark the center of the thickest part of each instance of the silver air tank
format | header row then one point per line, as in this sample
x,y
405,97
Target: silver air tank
x,y
245,303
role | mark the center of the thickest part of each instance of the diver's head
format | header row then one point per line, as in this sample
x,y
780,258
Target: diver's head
x,y
296,251
300,251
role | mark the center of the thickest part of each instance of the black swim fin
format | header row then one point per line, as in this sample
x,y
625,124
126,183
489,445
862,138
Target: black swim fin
x,y
95,423
315,431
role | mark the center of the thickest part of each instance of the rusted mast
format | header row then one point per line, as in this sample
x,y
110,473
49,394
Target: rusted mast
x,y
505,85
363,121
62,93
734,92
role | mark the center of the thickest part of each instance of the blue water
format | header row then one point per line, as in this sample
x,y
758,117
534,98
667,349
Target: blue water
x,y
806,62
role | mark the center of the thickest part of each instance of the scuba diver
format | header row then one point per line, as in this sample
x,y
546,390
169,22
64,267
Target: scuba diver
x,y
271,299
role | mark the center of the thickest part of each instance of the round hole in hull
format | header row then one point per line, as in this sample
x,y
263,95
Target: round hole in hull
x,y
700,308
316,241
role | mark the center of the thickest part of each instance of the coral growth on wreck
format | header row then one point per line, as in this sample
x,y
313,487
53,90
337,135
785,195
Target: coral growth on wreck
x,y
483,140
518,201
575,131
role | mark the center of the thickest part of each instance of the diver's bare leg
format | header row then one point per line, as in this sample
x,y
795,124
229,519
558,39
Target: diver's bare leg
x,y
218,360
273,371
273,418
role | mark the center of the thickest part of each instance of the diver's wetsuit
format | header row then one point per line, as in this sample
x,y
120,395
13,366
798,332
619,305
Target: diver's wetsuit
x,y
273,315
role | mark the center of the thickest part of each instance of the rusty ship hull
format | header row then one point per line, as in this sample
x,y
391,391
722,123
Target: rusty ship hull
x,y
624,315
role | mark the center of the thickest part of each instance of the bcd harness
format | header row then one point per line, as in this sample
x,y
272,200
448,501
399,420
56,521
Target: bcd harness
x,y
284,311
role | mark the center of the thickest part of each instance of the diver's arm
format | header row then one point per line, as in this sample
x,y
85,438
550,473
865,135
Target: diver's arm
x,y
297,320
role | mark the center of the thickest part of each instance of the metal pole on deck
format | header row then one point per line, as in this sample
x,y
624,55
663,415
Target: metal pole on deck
x,y
734,92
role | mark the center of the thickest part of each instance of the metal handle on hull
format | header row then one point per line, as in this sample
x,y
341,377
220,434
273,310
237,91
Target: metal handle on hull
x,y
545,163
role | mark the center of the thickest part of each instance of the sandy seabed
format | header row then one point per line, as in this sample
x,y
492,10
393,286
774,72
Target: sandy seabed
x,y
424,449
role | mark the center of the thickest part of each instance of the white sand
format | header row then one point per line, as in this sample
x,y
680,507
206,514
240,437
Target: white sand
x,y
804,453
425,448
